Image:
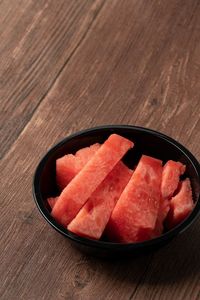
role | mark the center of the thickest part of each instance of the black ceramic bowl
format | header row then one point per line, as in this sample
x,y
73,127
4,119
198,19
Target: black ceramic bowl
x,y
147,142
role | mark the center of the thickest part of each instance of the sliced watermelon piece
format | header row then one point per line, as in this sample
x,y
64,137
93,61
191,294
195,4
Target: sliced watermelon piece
x,y
76,193
162,214
172,171
68,166
135,214
169,185
180,205
91,220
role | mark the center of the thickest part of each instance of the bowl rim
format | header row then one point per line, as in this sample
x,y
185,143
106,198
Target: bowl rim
x,y
106,244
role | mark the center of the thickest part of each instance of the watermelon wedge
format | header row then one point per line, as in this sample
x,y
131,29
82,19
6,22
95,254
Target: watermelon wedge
x,y
68,166
94,215
135,214
172,171
181,204
162,214
76,193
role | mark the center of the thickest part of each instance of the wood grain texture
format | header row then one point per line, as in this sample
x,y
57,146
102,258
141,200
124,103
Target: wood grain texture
x,y
38,38
137,63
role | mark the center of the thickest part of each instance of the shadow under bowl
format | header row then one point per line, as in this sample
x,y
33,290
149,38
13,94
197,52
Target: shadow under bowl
x,y
147,142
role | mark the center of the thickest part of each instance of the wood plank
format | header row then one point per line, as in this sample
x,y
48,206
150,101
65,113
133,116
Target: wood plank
x,y
38,38
131,68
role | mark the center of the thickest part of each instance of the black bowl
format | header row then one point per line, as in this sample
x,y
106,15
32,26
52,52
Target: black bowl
x,y
147,142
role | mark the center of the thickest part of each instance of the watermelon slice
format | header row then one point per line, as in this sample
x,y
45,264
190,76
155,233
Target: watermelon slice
x,y
169,185
135,214
162,214
76,193
172,170
68,166
94,215
180,205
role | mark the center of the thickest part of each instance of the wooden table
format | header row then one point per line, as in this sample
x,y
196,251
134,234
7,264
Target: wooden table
x,y
68,65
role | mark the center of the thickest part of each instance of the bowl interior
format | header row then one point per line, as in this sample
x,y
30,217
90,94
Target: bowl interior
x,y
146,142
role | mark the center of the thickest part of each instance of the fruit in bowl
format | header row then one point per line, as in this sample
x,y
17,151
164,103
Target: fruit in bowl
x,y
105,215
100,193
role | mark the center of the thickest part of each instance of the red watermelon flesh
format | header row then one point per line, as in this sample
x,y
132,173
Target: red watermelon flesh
x,y
135,214
76,193
94,215
172,170
162,214
181,204
169,185
68,166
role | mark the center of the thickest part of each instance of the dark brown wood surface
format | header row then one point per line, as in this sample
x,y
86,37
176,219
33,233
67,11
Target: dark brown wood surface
x,y
69,65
